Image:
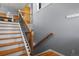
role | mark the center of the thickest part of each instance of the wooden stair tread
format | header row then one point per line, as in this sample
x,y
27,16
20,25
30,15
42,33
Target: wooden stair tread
x,y
12,43
6,52
24,54
50,53
11,33
11,38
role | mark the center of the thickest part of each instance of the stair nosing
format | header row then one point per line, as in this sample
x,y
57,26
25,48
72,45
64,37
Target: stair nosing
x,y
12,43
11,38
10,33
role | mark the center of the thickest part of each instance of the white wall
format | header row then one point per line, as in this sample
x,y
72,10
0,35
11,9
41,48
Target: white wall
x,y
44,5
66,31
11,7
36,6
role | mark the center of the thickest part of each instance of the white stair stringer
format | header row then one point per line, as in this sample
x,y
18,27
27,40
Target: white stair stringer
x,y
25,43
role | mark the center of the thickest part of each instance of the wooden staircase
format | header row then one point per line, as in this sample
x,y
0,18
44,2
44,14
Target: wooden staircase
x,y
12,41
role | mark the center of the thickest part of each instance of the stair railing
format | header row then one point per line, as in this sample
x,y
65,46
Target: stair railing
x,y
31,35
26,43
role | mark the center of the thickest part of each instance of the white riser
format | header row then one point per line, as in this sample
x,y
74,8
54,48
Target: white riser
x,y
8,28
8,36
11,40
11,47
8,31
2,22
8,25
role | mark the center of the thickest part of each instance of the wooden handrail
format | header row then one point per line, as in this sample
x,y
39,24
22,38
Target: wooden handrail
x,y
43,40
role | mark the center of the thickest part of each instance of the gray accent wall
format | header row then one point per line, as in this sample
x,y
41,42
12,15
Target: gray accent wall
x,y
66,30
